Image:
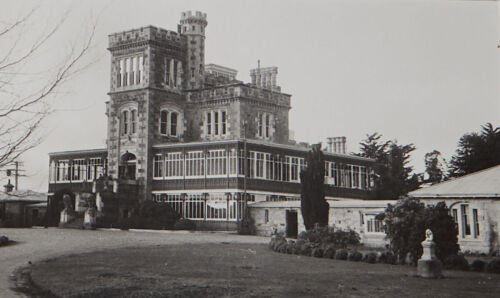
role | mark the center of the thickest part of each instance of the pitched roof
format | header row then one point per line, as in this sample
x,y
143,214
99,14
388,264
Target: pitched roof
x,y
481,184
23,195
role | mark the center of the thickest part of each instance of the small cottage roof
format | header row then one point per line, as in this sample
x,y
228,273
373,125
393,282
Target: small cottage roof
x,y
481,184
23,195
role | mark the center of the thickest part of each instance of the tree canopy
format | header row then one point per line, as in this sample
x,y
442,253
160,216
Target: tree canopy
x,y
476,151
393,175
30,74
435,167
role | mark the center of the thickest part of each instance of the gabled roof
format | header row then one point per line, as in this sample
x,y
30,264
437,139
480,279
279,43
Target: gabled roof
x,y
482,184
23,196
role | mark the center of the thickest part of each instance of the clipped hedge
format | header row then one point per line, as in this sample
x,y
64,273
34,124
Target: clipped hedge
x,y
341,254
370,257
355,256
456,262
478,265
493,266
4,240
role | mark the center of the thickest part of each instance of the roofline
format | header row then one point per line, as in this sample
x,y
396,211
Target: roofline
x,y
77,152
453,180
452,196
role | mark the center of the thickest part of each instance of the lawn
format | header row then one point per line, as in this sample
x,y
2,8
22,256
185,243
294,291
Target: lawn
x,y
236,270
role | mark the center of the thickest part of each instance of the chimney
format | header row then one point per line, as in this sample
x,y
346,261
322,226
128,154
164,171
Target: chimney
x,y
336,145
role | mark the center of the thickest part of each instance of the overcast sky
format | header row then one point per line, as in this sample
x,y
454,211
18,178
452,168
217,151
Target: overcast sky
x,y
422,72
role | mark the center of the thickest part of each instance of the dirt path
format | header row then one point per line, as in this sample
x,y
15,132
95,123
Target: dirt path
x,y
39,244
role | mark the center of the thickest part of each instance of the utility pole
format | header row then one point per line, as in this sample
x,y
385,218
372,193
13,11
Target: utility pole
x,y
16,170
17,174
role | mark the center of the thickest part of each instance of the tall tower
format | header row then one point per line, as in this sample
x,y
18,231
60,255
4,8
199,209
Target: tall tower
x,y
192,25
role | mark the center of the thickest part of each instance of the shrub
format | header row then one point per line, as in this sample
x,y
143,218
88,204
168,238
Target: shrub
x,y
386,258
185,224
370,257
493,266
290,247
341,254
456,262
477,265
306,249
4,240
328,236
329,252
317,252
405,224
355,256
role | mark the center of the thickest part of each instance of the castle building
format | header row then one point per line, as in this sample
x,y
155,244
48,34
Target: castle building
x,y
191,135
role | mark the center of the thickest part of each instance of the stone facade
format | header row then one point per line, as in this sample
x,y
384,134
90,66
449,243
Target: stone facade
x,y
195,138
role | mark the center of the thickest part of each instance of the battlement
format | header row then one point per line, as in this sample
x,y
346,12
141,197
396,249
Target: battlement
x,y
146,33
193,17
240,90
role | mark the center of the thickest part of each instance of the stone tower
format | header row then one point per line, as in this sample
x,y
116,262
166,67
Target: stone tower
x,y
146,105
192,25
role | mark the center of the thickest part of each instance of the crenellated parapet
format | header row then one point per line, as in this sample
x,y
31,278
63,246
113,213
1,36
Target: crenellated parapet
x,y
145,34
241,91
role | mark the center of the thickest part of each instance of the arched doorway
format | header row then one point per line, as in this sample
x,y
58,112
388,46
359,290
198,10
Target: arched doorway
x,y
127,166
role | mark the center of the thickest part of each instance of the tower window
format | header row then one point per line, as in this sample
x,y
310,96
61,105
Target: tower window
x,y
192,27
209,123
174,70
173,124
163,122
216,123
167,72
223,120
140,70
124,122
133,70
261,115
267,125
120,72
133,120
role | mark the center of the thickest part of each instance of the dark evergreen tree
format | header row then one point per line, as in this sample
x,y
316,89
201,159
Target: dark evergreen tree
x,y
476,151
405,224
393,177
313,204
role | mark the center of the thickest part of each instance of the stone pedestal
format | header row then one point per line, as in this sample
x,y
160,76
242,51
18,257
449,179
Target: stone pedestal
x,y
429,265
65,217
89,219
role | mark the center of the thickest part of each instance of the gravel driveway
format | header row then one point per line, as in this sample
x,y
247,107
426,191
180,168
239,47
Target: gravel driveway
x,y
37,244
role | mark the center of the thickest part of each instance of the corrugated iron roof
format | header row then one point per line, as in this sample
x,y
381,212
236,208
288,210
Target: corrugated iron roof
x,y
23,195
481,184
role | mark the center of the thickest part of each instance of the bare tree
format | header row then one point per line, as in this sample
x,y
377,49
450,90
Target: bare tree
x,y
27,86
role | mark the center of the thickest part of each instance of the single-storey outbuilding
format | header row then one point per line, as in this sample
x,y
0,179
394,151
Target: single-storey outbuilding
x,y
474,202
22,208
357,215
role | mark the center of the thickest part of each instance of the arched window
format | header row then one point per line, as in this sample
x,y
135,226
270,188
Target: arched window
x,y
133,121
124,122
173,124
163,122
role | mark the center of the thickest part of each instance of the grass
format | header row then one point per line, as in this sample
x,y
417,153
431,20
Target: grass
x,y
236,270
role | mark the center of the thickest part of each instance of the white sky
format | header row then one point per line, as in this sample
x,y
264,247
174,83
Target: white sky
x,y
422,72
